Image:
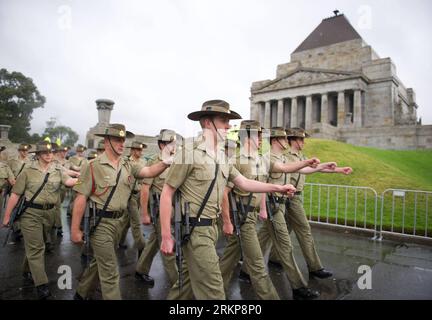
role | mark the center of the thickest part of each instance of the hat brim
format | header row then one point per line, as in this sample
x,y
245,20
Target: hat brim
x,y
197,115
129,135
144,147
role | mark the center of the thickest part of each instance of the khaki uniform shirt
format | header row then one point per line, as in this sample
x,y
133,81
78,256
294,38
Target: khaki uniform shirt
x,y
254,168
278,178
296,179
193,171
32,177
104,179
156,184
16,165
5,173
77,161
139,182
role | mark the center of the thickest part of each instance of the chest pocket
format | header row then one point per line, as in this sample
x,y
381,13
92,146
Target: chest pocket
x,y
204,172
53,184
103,186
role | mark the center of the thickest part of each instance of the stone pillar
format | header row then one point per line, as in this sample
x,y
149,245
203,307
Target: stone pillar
x,y
294,112
324,108
357,109
104,107
267,115
280,113
255,111
4,132
308,113
341,109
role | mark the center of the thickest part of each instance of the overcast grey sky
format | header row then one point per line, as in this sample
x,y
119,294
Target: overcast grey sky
x,y
159,60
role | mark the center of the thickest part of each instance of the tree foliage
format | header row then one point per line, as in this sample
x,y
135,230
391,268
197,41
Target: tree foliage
x,y
19,96
66,135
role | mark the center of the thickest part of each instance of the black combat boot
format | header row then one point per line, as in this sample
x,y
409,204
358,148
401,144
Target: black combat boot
x,y
145,278
305,294
321,273
43,292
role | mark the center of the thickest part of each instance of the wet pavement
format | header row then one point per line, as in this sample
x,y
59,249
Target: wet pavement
x,y
398,270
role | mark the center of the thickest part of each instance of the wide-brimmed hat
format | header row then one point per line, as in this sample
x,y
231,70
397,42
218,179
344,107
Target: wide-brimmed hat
x,y
43,146
277,132
101,145
57,148
297,133
24,147
92,155
166,135
138,145
117,130
80,148
214,108
250,125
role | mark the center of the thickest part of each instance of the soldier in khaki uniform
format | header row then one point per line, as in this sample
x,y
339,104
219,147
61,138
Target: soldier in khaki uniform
x,y
295,215
17,165
97,181
40,213
134,202
192,173
7,178
75,163
153,188
100,148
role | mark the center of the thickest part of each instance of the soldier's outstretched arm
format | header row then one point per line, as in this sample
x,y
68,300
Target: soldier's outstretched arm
x,y
295,166
13,200
154,170
77,214
167,242
261,187
144,198
343,170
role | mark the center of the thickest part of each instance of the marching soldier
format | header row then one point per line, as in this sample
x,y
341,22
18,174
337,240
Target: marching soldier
x,y
7,179
295,215
134,202
201,178
75,163
40,184
107,182
153,188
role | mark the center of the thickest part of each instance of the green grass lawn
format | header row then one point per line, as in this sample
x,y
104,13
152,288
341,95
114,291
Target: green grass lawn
x,y
377,169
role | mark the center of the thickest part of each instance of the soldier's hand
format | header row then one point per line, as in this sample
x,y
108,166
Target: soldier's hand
x,y
289,189
228,228
313,162
347,170
263,214
5,223
77,236
167,246
145,219
167,157
329,166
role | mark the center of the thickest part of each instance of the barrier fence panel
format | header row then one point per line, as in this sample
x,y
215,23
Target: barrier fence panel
x,y
349,206
406,212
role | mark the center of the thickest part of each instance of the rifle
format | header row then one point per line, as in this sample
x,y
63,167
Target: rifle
x,y
154,208
178,237
234,213
6,194
269,211
88,214
16,213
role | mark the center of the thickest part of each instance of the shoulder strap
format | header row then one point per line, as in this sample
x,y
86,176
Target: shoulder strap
x,y
112,191
22,167
93,189
39,190
203,204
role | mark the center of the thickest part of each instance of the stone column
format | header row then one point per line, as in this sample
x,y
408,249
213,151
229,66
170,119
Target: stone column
x,y
341,109
280,113
267,114
357,109
294,112
104,107
308,113
255,111
4,132
324,108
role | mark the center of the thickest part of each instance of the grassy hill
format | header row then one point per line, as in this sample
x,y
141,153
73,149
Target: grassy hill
x,y
380,170
376,168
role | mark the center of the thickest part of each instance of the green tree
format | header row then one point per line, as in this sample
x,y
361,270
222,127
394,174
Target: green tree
x,y
18,98
65,134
